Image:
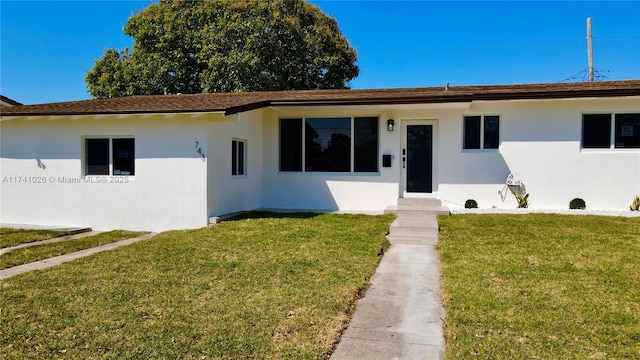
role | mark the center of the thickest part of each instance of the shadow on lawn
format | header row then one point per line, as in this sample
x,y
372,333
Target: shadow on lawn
x,y
273,215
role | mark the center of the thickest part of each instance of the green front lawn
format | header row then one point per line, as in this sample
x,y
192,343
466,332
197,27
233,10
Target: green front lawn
x,y
541,286
45,251
12,237
266,286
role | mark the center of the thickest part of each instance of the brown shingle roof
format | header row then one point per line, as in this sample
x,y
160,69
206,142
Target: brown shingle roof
x,y
231,103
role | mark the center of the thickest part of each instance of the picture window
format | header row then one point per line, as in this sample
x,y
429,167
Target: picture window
x,y
338,144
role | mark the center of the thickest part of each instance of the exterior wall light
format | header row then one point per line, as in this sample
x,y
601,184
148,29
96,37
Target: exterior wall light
x,y
390,123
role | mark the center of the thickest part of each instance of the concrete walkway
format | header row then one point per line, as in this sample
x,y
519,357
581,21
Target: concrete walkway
x,y
49,241
43,264
401,316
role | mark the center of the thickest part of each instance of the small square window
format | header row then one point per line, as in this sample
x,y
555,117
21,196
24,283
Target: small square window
x,y
627,132
596,131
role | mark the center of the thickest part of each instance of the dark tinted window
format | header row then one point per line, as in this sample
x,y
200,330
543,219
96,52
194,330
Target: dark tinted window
x,y
123,156
491,132
290,144
240,157
234,157
366,144
328,144
237,157
97,156
627,131
472,132
596,131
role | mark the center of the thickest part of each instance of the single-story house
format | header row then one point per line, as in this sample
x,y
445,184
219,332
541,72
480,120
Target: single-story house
x,y
174,161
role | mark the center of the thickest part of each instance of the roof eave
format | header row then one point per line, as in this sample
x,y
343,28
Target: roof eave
x,y
106,113
247,107
558,94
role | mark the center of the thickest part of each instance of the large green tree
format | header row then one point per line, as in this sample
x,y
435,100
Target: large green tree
x,y
226,46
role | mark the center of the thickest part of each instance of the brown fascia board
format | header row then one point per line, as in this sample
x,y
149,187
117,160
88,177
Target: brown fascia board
x,y
108,112
342,102
445,99
560,94
247,107
428,100
9,101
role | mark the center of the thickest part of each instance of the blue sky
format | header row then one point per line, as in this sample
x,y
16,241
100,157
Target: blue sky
x,y
47,47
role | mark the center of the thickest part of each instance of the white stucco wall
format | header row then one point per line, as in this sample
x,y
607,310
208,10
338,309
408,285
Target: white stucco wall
x,y
174,187
358,192
228,194
168,190
539,140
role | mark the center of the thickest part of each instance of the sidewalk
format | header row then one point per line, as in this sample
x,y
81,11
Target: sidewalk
x,y
401,315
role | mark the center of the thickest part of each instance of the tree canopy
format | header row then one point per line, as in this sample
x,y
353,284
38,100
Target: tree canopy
x,y
226,46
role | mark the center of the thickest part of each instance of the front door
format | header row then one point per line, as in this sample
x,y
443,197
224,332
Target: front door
x,y
417,158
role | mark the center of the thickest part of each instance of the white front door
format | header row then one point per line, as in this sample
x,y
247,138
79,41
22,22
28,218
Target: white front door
x,y
418,158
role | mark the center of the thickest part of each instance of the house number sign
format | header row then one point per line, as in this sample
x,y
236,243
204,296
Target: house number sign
x,y
199,150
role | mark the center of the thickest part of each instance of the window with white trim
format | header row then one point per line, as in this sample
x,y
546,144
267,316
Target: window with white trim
x,y
599,132
337,144
238,157
109,156
481,132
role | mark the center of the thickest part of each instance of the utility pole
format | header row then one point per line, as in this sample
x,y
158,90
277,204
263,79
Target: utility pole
x,y
590,49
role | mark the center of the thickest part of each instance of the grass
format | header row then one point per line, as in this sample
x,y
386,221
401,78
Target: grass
x,y
12,237
265,286
45,251
541,286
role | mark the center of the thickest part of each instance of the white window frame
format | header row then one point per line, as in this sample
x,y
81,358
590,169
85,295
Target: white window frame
x,y
235,162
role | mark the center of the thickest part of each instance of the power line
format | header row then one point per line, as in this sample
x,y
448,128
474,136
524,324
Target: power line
x,y
583,75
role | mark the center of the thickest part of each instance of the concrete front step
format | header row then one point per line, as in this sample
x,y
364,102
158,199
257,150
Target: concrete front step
x,y
422,211
428,222
419,202
407,231
413,240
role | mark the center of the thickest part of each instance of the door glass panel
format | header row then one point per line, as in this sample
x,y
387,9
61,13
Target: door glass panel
x,y
419,158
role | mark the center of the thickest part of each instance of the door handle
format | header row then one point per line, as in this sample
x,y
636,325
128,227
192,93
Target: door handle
x,y
404,159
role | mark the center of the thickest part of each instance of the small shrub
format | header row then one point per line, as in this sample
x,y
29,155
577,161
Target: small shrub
x,y
523,200
470,204
577,204
635,205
